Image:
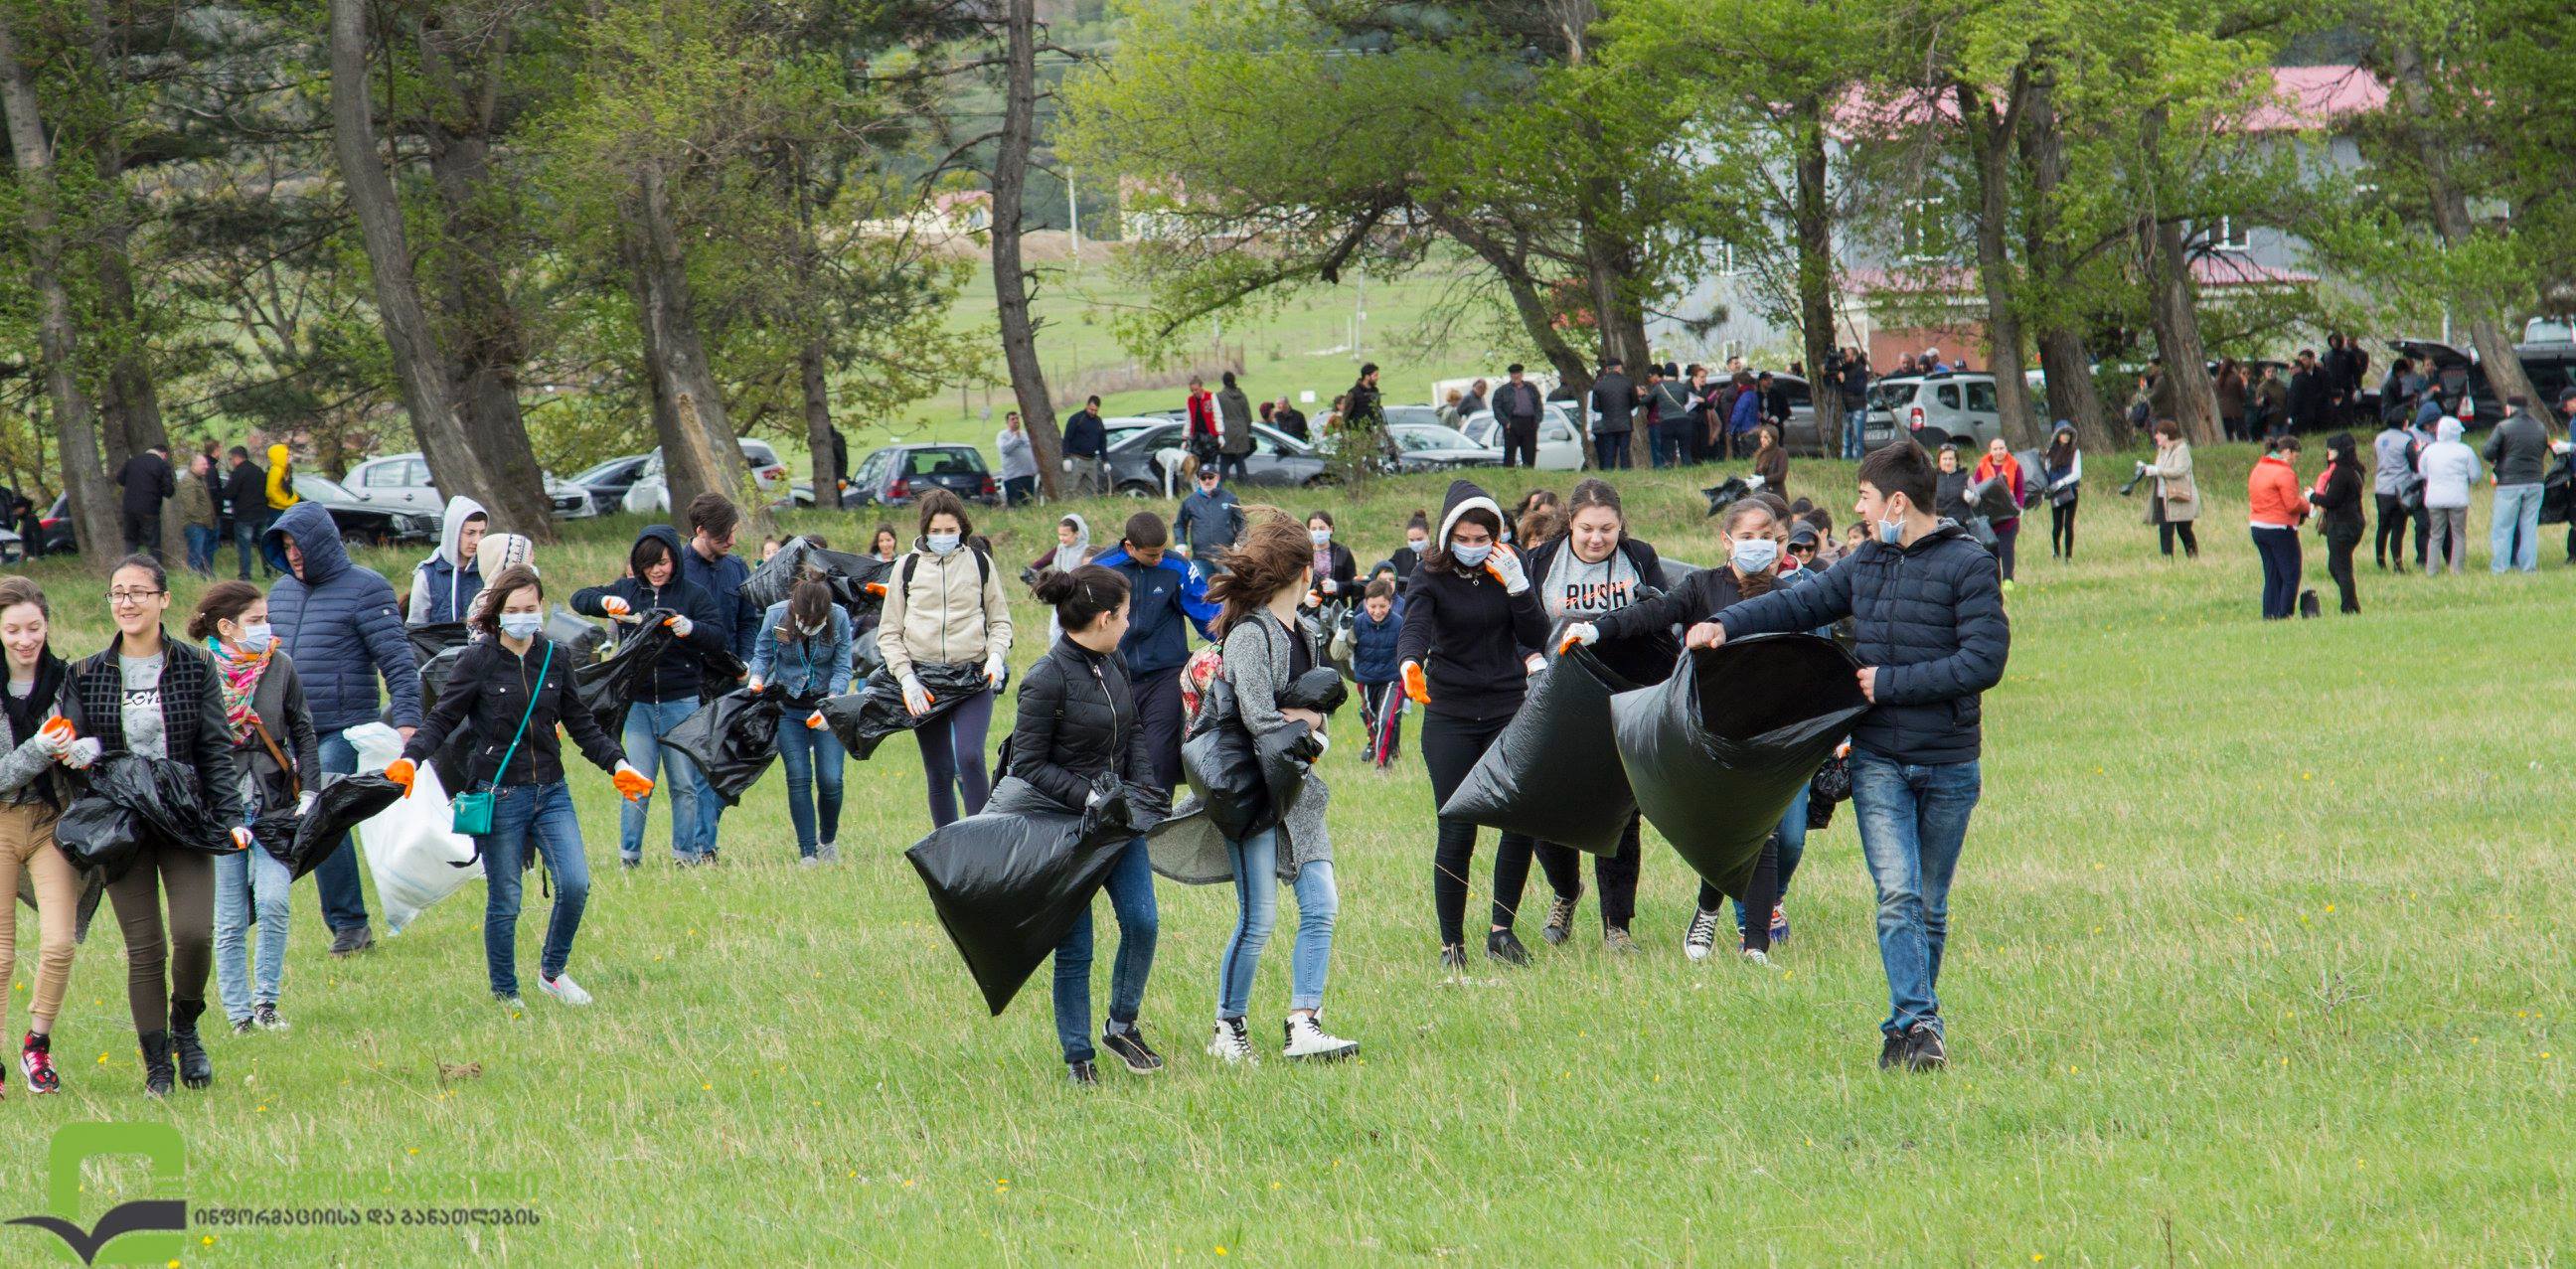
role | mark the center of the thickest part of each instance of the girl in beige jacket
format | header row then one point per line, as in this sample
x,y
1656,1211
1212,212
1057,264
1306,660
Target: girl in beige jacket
x,y
2175,500
944,607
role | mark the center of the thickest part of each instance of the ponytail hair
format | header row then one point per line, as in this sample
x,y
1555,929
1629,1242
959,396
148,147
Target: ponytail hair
x,y
1081,596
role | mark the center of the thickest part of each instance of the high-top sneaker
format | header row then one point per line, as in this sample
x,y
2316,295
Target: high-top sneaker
x,y
36,1058
1127,1044
1309,1042
1232,1042
1702,935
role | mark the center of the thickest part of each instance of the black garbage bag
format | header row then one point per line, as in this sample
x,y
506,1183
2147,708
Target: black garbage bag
x,y
454,758
848,575
2558,492
864,718
163,796
1716,751
733,739
1724,494
1321,689
100,836
1831,787
579,634
1009,884
608,686
1554,772
340,805
429,641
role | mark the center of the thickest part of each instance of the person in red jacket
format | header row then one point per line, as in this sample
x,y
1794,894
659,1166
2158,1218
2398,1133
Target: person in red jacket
x,y
1999,462
2278,507
1205,436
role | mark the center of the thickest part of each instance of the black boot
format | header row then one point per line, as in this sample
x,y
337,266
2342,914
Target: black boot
x,y
156,1061
195,1069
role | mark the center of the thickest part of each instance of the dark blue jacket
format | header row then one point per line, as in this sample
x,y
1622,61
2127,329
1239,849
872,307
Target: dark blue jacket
x,y
339,624
677,675
722,581
1163,601
1931,618
1208,523
1373,657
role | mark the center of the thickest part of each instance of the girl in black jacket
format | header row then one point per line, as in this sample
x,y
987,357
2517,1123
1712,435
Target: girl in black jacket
x,y
2338,496
653,581
510,691
1472,629
1076,737
150,696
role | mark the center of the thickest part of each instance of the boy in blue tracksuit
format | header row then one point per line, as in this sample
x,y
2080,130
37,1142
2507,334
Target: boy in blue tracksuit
x,y
1375,628
1166,598
1931,636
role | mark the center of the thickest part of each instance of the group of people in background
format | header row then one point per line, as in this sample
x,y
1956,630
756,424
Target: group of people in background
x,y
218,497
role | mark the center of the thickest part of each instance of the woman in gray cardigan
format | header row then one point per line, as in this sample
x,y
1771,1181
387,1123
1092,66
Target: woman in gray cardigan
x,y
1266,648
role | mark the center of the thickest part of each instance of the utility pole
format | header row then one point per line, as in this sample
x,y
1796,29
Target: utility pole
x,y
1073,223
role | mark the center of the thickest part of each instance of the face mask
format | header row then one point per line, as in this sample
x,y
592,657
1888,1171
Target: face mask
x,y
1891,531
1472,556
942,543
522,625
1756,554
1417,544
1321,537
256,638
810,627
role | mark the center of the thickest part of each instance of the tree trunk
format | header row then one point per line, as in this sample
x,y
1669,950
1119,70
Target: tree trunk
x,y
2063,361
1010,281
490,339
1992,141
699,451
458,460
811,362
2173,303
93,506
1815,227
129,405
2451,220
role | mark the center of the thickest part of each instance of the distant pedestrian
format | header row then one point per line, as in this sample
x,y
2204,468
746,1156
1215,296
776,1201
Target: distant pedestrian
x,y
1202,435
2396,489
2518,449
2277,509
1019,461
1289,419
2449,468
1086,447
1614,404
2337,498
197,501
246,500
2061,467
1234,415
2174,500
1517,410
147,482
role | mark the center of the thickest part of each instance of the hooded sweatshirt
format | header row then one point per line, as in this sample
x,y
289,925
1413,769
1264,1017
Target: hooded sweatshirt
x,y
2449,468
2392,462
443,586
339,624
677,675
1470,638
281,479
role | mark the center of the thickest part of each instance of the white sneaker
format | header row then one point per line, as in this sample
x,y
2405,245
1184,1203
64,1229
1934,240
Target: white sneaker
x,y
809,862
563,988
1703,934
1759,958
1232,1042
828,853
1307,1040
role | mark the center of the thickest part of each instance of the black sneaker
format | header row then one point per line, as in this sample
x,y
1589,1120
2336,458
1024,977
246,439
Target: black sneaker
x,y
1129,1047
1560,920
1923,1048
245,1027
1892,1053
1453,957
1505,946
349,942
1082,1074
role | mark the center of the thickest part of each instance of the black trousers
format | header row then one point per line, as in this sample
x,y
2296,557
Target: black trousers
x,y
2279,549
2390,537
2341,541
1520,444
1158,712
1616,873
1450,748
142,533
2171,529
2061,529
2006,534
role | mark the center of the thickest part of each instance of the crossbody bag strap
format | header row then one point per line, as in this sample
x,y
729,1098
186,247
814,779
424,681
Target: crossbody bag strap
x,y
513,751
294,782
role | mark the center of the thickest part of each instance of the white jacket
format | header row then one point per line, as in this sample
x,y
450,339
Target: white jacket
x,y
2448,467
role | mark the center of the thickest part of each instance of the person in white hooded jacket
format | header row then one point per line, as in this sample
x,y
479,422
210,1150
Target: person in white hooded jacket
x,y
2448,467
443,586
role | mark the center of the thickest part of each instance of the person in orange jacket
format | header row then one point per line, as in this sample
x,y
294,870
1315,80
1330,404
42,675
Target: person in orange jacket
x,y
2279,507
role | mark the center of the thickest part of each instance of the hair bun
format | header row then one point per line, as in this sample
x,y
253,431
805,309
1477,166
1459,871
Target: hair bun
x,y
1055,586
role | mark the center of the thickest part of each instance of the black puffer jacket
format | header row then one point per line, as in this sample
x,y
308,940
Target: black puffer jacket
x,y
1930,616
1077,720
193,730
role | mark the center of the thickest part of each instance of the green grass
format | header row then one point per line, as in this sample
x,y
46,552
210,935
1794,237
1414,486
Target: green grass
x,y
2258,956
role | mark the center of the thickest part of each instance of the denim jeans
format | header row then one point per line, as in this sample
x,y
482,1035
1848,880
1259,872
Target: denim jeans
x,y
1793,847
812,760
1256,898
711,807
2515,536
524,813
246,544
248,881
344,896
1610,451
1855,444
646,721
1131,896
2279,549
1672,444
1913,820
201,549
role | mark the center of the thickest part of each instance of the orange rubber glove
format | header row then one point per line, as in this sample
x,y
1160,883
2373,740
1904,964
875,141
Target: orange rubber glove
x,y
401,771
1416,687
877,589
815,720
631,783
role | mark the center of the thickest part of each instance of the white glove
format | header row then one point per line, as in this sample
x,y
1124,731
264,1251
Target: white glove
x,y
615,607
1581,632
242,840
1754,482
1505,565
680,626
1323,744
916,698
82,752
1332,587
54,742
1340,647
304,804
995,666
1533,663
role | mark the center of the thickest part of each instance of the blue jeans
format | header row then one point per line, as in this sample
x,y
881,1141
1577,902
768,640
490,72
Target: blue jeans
x,y
246,543
646,721
344,896
1256,898
812,759
711,808
1913,820
2517,512
1131,897
248,881
1855,427
1672,444
201,549
1610,451
1793,847
522,813
2279,550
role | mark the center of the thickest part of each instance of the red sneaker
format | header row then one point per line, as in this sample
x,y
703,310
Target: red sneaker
x,y
36,1058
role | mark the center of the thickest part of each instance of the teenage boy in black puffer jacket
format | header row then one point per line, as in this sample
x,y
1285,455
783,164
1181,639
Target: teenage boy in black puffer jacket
x,y
1931,636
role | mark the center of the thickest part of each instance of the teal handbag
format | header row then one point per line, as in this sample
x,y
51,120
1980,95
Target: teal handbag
x,y
472,812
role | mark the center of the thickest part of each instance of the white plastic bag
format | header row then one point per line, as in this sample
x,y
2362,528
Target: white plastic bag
x,y
410,847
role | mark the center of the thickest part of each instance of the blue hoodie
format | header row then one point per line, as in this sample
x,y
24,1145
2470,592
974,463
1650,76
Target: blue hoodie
x,y
337,622
1163,601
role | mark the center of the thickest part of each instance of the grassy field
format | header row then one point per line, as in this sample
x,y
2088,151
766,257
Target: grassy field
x,y
2258,956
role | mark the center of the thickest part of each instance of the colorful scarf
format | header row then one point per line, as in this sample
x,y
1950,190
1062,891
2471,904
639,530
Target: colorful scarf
x,y
241,671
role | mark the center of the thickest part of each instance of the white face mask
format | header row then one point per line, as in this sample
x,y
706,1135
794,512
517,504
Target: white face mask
x,y
1320,537
522,625
1418,544
810,627
1472,556
256,638
1756,554
942,543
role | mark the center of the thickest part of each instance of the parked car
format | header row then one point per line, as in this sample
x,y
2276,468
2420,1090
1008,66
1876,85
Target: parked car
x,y
2462,380
1422,447
12,547
401,482
362,522
650,495
1805,436
1277,459
1560,440
894,475
57,526
1946,409
609,481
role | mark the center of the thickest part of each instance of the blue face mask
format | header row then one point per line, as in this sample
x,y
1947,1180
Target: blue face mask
x,y
257,638
522,625
1753,555
941,543
1891,531
1471,556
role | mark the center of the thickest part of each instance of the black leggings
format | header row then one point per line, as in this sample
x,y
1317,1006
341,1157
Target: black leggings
x,y
1616,873
2171,529
1450,748
2389,538
952,756
1761,895
2341,541
2005,536
2061,529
